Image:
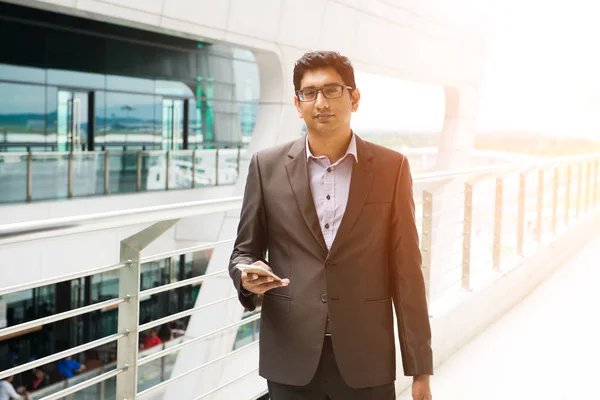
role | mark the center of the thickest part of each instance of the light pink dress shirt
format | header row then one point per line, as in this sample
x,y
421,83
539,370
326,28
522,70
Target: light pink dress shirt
x,y
330,185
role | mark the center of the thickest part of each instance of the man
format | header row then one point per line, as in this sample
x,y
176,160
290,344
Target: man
x,y
336,215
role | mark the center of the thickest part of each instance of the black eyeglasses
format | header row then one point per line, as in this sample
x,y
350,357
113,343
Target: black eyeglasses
x,y
332,91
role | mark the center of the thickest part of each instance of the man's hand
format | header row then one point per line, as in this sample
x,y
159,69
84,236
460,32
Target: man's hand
x,y
260,284
420,388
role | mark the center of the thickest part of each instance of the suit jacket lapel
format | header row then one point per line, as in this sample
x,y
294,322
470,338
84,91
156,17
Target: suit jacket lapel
x,y
297,172
360,185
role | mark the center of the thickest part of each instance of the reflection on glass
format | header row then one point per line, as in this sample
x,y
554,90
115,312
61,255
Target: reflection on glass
x,y
88,174
122,172
22,122
172,124
130,122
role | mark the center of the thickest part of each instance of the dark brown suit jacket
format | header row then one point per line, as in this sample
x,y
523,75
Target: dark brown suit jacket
x,y
374,260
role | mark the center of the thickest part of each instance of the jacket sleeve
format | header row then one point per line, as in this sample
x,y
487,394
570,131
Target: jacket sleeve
x,y
251,242
408,288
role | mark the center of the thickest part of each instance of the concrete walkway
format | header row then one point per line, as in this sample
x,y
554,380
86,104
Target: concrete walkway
x,y
546,348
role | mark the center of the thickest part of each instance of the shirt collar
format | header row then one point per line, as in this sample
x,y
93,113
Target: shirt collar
x,y
350,150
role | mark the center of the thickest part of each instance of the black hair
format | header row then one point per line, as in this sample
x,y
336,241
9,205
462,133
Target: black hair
x,y
324,59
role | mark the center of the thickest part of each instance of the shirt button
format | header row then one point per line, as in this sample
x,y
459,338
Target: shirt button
x,y
328,169
326,226
324,298
328,197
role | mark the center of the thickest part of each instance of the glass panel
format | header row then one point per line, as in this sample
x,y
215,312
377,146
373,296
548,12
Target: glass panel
x,y
167,124
81,112
22,109
13,178
50,176
88,174
206,167
154,172
228,166
173,88
63,120
194,124
177,125
180,170
123,172
130,122
100,116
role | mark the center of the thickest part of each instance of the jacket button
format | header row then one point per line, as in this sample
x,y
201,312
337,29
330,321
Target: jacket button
x,y
324,298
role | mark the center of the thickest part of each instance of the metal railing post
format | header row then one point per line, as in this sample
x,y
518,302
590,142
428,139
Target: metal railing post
x,y
540,205
138,164
555,200
29,177
521,217
579,179
497,252
216,167
70,178
467,224
102,384
163,376
106,172
568,196
426,240
193,169
127,347
129,311
167,170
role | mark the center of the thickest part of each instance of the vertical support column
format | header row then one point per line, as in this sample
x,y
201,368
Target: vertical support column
x,y
555,200
579,194
467,224
106,172
29,177
138,164
521,217
497,251
216,167
540,205
129,314
70,178
167,169
193,169
426,239
568,196
239,151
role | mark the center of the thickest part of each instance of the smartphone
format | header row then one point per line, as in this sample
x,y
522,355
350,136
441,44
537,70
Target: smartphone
x,y
258,270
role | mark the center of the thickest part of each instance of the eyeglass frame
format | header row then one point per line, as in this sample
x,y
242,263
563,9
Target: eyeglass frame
x,y
323,93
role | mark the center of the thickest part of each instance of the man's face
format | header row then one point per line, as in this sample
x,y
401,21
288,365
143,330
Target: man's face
x,y
323,115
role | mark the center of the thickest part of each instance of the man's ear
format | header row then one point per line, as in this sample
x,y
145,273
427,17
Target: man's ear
x,y
297,104
355,99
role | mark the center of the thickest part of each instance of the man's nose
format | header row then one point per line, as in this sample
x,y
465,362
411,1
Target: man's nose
x,y
321,100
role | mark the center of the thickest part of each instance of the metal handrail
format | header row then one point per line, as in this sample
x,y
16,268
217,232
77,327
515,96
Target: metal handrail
x,y
178,284
62,278
62,354
27,231
61,316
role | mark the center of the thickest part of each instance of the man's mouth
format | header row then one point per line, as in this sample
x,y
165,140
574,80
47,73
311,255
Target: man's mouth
x,y
324,117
